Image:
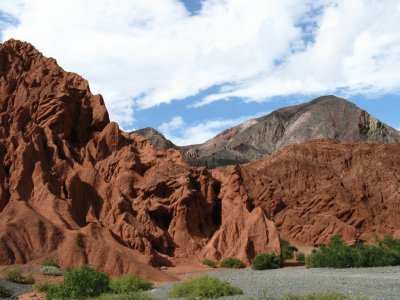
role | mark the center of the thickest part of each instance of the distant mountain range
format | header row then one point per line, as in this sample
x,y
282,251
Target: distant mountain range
x,y
324,117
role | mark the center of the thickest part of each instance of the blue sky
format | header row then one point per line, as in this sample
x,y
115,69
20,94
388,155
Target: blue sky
x,y
193,68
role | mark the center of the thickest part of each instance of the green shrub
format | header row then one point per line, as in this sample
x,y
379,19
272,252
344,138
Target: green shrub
x,y
287,250
210,263
129,283
16,275
339,255
51,271
266,261
42,286
232,262
50,263
80,283
317,296
204,287
300,256
4,292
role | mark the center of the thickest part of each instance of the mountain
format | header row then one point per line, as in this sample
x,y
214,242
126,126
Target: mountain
x,y
324,117
156,138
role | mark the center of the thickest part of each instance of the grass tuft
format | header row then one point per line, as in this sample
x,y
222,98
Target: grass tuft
x,y
210,263
129,283
203,287
16,275
232,262
266,261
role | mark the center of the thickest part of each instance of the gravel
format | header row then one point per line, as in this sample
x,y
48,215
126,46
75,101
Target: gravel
x,y
15,288
375,283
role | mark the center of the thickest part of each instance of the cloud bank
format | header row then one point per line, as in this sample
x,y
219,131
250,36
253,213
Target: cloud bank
x,y
140,54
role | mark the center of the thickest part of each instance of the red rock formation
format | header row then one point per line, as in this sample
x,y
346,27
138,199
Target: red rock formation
x,y
317,189
77,189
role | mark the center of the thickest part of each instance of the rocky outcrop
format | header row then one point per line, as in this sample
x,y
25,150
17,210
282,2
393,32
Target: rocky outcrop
x,y
156,138
321,188
324,117
75,188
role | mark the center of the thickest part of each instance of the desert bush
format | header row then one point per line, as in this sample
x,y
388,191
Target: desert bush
x,y
210,263
300,256
129,283
50,263
287,250
204,287
232,262
80,283
4,292
339,255
266,261
42,286
16,275
51,271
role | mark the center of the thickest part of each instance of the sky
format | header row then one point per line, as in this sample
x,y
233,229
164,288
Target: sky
x,y
192,68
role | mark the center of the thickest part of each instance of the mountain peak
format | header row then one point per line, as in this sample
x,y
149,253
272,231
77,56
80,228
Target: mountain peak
x,y
328,116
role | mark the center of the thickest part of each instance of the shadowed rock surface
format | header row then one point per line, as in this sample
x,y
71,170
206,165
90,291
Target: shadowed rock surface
x,y
156,138
324,117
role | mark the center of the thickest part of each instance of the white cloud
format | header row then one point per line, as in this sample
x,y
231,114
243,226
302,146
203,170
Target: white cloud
x,y
183,134
152,52
175,123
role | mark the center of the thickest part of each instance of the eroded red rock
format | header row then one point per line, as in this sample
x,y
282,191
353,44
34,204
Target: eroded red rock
x,y
77,189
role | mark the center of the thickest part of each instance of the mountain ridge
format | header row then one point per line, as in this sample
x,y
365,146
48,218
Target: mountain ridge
x,y
324,117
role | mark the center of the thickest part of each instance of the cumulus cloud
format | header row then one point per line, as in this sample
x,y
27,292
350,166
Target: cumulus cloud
x,y
188,134
175,123
140,54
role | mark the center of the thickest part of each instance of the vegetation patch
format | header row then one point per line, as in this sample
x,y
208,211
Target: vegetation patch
x,y
210,263
232,262
266,261
129,284
42,286
317,296
80,283
336,254
16,275
51,271
287,250
203,287
300,256
4,292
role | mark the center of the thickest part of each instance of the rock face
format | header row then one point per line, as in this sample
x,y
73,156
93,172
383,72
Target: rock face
x,y
324,117
156,138
317,189
75,188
